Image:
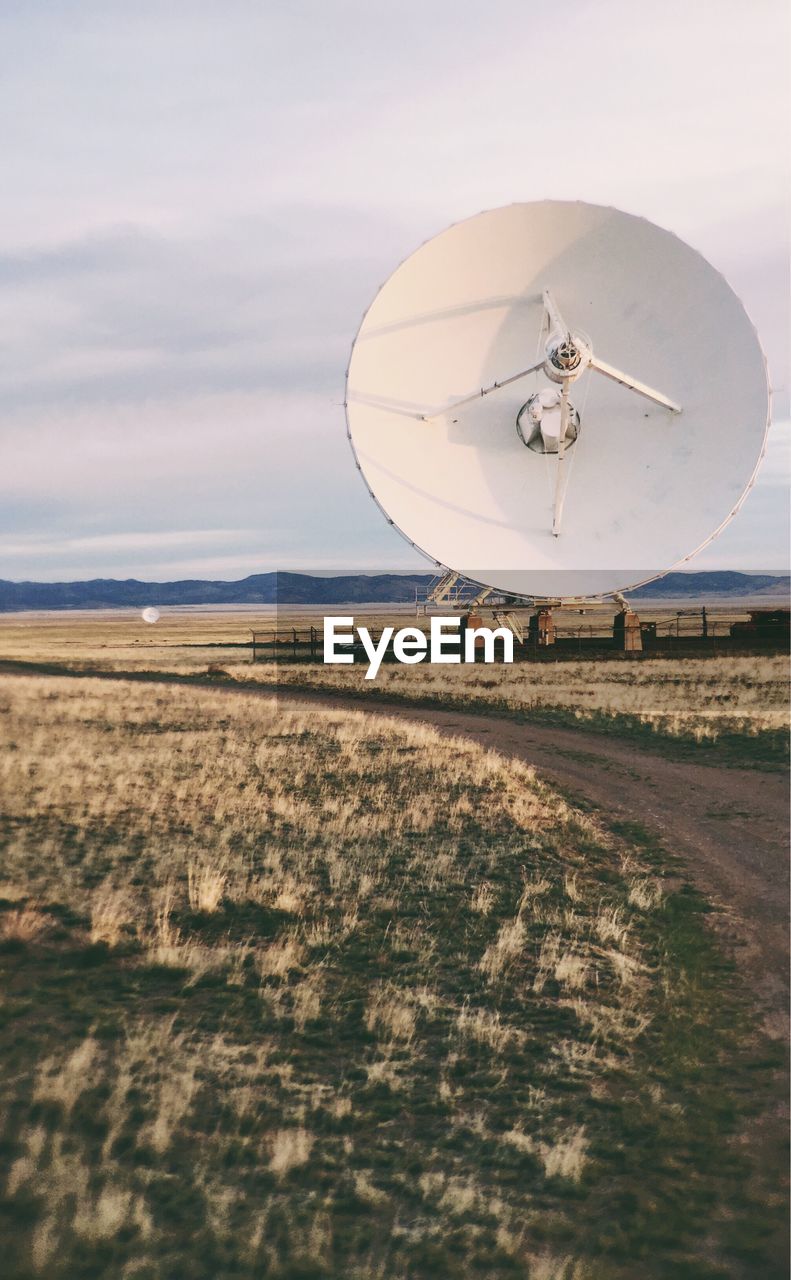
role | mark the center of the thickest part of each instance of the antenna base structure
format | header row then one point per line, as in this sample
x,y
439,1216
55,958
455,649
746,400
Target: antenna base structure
x,y
541,629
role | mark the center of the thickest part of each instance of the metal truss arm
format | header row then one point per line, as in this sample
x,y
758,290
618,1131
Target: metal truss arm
x,y
556,322
477,395
642,390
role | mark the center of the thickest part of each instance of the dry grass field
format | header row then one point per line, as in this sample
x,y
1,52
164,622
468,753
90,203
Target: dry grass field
x,y
738,700
113,639
312,994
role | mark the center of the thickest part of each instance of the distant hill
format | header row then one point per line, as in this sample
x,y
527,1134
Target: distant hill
x,y
721,583
259,588
357,588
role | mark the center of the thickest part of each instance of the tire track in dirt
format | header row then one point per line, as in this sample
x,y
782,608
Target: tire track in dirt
x,y
728,826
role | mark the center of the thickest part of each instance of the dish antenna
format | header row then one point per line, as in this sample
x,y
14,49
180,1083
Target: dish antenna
x,y
557,399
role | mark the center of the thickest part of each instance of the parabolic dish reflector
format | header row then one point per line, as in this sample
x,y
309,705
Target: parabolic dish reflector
x,y
626,448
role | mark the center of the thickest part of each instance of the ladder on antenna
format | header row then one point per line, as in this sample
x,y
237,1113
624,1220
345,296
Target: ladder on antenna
x,y
511,621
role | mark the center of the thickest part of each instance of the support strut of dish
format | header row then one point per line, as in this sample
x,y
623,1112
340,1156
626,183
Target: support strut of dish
x,y
568,353
451,590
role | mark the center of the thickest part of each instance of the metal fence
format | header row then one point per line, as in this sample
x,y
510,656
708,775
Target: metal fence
x,y
687,632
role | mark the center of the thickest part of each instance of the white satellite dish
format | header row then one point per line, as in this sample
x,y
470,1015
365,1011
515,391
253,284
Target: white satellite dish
x,y
557,399
150,615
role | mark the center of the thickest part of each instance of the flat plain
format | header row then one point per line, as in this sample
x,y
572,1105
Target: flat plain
x,y
742,700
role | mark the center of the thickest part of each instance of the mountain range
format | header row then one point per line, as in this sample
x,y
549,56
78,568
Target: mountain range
x,y
356,588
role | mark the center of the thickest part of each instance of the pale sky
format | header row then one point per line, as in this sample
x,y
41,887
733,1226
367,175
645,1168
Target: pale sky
x,y
200,199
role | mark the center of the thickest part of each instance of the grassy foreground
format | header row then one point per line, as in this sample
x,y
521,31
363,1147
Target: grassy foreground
x,y
310,994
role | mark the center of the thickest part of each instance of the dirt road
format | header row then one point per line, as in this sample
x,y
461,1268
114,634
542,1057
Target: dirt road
x,y
729,826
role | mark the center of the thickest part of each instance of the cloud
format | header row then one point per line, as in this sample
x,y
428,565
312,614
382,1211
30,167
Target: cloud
x,y
201,200
129,316
103,543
